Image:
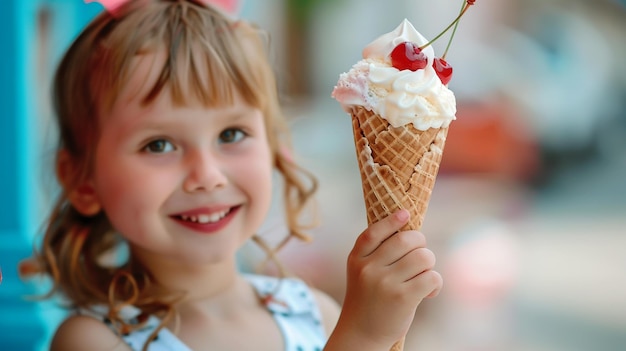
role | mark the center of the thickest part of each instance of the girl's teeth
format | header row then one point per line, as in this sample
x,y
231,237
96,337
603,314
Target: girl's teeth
x,y
217,216
204,218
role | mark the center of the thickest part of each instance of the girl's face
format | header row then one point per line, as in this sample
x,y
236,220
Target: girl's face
x,y
189,184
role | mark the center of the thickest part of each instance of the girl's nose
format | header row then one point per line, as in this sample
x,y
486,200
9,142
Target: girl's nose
x,y
205,173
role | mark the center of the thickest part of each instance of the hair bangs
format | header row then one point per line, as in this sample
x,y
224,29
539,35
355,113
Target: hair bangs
x,y
206,67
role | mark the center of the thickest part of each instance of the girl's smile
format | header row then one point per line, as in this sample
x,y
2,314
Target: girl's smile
x,y
205,220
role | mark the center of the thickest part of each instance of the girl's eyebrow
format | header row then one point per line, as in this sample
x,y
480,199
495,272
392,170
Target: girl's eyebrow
x,y
146,125
237,115
245,114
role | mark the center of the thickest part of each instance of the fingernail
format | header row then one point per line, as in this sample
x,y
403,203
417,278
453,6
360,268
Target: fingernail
x,y
402,215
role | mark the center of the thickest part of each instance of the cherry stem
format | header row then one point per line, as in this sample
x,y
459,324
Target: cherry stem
x,y
456,20
464,6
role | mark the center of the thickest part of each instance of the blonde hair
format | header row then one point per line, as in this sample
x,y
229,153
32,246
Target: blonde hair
x,y
196,38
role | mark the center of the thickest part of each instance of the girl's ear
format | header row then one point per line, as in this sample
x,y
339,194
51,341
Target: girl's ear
x,y
82,195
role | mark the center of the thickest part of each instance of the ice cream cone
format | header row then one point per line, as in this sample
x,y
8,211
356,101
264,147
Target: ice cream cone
x,y
398,168
401,109
398,346
398,165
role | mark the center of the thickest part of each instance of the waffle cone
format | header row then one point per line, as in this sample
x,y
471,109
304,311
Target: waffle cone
x,y
398,168
398,346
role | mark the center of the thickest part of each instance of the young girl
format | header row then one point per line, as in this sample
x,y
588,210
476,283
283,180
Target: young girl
x,y
170,131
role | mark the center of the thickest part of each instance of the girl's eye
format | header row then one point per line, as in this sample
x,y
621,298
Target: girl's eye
x,y
159,146
231,135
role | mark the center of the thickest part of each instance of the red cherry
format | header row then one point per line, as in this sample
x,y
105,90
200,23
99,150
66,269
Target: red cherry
x,y
443,69
408,55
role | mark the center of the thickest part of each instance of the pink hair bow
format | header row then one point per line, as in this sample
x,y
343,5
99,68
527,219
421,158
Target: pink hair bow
x,y
230,7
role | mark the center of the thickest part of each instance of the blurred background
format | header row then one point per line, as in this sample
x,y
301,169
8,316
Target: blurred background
x,y
528,216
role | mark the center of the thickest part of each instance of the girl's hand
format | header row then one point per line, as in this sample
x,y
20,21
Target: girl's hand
x,y
388,276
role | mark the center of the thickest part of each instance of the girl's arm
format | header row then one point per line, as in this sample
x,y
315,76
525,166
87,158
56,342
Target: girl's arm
x,y
388,276
83,333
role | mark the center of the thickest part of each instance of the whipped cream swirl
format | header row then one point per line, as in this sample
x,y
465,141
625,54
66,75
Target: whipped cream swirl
x,y
399,96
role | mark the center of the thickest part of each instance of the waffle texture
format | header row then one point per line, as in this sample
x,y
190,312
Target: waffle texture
x,y
398,165
398,346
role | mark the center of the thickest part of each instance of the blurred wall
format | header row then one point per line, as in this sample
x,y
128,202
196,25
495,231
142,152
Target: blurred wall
x,y
33,34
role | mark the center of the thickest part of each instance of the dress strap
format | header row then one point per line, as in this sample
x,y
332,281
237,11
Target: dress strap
x,y
295,310
165,340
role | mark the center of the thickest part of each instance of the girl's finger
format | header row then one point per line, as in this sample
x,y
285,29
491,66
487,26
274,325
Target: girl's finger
x,y
413,264
378,232
397,246
426,284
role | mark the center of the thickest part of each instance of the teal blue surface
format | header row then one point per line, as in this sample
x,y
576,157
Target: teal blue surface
x,y
24,92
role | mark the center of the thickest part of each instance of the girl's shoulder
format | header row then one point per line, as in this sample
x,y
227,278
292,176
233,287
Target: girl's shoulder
x,y
80,332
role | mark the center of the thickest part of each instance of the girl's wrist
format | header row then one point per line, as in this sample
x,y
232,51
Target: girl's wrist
x,y
346,336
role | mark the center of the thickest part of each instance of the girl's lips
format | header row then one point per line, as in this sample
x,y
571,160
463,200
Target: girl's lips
x,y
206,222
